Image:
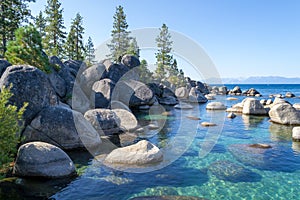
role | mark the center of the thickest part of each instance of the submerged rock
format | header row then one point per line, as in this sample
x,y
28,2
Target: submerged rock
x,y
277,158
207,124
167,198
141,153
233,172
39,159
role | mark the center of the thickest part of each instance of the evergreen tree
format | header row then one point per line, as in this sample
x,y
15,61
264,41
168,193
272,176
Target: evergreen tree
x,y
40,24
90,52
12,14
164,44
27,49
120,36
11,123
145,74
55,35
133,48
75,49
164,59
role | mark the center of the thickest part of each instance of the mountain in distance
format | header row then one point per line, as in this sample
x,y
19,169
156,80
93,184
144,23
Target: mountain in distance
x,y
256,80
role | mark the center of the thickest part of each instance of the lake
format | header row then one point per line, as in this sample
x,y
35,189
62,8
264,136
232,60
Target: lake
x,y
214,162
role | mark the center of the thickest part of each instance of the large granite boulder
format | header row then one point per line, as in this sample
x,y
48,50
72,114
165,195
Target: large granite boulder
x,y
133,93
127,120
253,107
3,65
182,93
215,106
64,72
39,159
90,76
195,96
76,65
284,113
289,95
201,87
156,89
251,92
235,91
141,153
62,127
115,72
233,172
58,83
31,85
102,92
130,61
105,121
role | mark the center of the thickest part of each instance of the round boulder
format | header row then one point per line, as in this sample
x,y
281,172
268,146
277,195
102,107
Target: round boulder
x,y
253,107
182,93
31,85
130,61
102,91
39,159
284,113
141,153
104,121
62,127
127,119
296,134
195,96
215,106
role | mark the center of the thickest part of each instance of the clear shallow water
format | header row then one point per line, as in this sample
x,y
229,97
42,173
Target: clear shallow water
x,y
275,172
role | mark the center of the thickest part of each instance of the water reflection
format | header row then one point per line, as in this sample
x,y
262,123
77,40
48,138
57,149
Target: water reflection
x,y
280,133
251,121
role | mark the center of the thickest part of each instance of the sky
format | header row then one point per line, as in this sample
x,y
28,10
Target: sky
x,y
241,37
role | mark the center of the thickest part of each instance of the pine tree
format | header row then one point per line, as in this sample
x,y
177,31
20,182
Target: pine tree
x,y
55,35
164,45
164,59
27,49
145,74
75,49
40,24
133,48
12,14
120,36
90,52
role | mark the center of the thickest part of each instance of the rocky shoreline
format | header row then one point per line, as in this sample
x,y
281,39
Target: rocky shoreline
x,y
78,107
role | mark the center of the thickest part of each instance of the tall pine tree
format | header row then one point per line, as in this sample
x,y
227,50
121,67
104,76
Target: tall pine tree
x,y
90,52
120,36
55,35
133,48
164,59
12,14
40,24
74,45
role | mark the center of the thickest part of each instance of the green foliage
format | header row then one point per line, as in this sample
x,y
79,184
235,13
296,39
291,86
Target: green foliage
x,y
133,48
144,73
74,46
164,45
40,24
27,49
55,36
12,14
10,126
120,41
90,52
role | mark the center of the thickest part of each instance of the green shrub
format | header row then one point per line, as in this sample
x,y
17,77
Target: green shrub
x,y
27,49
11,124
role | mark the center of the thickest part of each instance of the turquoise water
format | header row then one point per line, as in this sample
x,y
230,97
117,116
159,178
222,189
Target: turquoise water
x,y
191,165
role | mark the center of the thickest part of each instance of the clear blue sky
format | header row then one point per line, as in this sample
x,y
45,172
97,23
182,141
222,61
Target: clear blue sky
x,y
243,37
